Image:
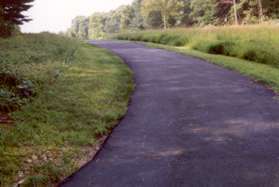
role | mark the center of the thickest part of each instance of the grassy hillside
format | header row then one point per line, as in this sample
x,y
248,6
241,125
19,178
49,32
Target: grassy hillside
x,y
254,43
59,98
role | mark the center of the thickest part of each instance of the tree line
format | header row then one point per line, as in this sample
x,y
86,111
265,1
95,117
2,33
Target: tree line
x,y
150,14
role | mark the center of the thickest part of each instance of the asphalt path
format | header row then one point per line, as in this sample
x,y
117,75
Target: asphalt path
x,y
190,123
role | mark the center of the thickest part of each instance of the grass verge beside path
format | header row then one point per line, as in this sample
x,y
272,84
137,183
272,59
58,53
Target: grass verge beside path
x,y
81,93
260,72
251,50
257,43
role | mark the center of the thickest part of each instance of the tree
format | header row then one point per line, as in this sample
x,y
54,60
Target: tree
x,y
235,12
112,24
167,8
126,16
83,28
184,17
223,10
203,11
153,20
97,26
260,7
242,11
271,8
11,15
250,11
137,21
79,27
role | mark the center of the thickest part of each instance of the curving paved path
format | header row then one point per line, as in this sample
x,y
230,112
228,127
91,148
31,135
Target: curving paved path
x,y
190,123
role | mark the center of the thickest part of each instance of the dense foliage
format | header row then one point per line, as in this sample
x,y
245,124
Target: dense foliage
x,y
146,14
11,15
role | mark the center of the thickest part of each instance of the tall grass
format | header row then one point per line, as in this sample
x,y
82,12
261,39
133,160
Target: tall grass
x,y
26,58
255,43
81,92
35,48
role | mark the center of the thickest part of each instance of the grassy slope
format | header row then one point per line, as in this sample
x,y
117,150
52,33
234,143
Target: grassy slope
x,y
250,50
54,134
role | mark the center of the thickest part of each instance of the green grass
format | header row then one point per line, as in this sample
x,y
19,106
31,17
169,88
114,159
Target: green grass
x,y
250,50
255,43
262,73
81,93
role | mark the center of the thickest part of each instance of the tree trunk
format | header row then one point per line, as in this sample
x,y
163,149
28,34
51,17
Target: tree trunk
x,y
5,29
165,22
235,12
261,15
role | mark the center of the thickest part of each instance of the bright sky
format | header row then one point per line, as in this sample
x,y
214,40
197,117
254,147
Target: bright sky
x,y
56,15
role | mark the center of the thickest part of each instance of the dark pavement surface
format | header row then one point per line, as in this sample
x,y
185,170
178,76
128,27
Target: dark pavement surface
x,y
190,123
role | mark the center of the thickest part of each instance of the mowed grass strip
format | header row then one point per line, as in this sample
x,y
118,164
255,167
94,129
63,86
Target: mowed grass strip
x,y
81,93
262,73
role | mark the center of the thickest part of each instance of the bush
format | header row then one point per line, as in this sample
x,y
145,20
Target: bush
x,y
250,55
